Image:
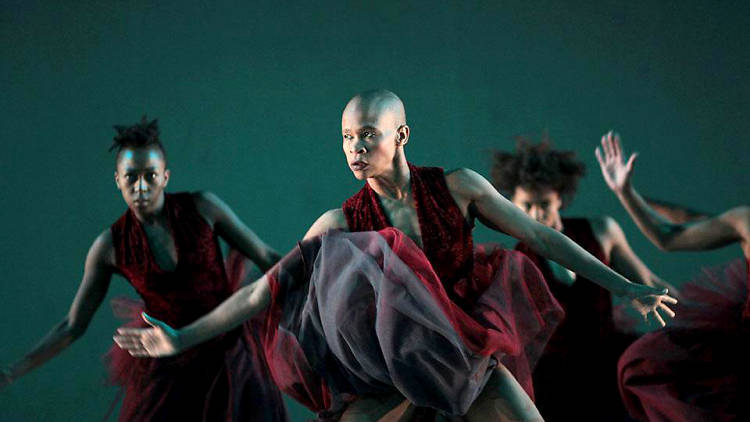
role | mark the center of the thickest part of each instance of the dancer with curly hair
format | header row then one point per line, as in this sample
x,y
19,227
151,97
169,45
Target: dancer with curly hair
x,y
696,370
543,181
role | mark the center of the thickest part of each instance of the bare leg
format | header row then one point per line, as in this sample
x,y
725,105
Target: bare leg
x,y
380,408
503,399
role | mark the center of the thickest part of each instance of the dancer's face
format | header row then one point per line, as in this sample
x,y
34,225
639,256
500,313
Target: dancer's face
x,y
541,204
141,176
371,140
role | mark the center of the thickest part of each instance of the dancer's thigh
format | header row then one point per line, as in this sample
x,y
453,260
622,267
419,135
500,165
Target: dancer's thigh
x,y
503,399
372,408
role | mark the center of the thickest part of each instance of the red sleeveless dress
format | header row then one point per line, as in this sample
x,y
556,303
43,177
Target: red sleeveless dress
x,y
369,312
225,379
696,369
585,346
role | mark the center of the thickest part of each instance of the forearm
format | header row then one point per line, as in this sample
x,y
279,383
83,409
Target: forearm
x,y
241,306
268,259
635,273
559,248
58,339
624,261
656,228
676,214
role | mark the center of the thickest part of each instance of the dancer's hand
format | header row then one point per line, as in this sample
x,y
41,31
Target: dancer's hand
x,y
157,341
651,301
616,171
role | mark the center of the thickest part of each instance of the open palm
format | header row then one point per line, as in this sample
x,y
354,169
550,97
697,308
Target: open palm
x,y
615,170
651,302
159,340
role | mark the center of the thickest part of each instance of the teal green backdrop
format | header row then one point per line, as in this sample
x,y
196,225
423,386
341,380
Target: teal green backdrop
x,y
249,95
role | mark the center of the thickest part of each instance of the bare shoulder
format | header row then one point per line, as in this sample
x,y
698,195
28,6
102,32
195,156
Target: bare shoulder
x,y
607,232
739,218
102,250
466,182
206,200
739,214
209,205
331,219
605,226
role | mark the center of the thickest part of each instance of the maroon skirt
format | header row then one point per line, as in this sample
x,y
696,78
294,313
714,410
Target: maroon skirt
x,y
225,379
364,313
697,369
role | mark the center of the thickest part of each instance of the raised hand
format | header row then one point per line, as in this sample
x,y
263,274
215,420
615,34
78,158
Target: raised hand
x,y
615,170
651,302
158,341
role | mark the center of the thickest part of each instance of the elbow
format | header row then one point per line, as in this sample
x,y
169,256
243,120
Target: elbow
x,y
539,242
664,239
271,258
664,243
75,328
664,247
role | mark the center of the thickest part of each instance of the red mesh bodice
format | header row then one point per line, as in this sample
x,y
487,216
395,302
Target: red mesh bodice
x,y
446,235
382,288
198,283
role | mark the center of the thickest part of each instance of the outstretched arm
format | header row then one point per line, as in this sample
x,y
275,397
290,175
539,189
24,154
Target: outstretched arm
x,y
92,290
488,204
675,213
621,255
163,340
331,219
234,231
709,233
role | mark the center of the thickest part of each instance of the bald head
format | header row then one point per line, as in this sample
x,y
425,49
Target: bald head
x,y
375,106
374,132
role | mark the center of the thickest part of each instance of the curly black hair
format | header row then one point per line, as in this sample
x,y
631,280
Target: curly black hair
x,y
536,166
141,134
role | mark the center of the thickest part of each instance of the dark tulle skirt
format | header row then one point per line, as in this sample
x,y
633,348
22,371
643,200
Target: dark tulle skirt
x,y
225,379
364,313
696,370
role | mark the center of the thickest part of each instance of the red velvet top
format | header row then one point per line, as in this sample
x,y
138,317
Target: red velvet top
x,y
199,282
446,234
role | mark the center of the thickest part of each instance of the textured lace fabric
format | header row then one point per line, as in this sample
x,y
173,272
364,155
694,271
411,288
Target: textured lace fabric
x,y
198,283
225,378
370,312
446,235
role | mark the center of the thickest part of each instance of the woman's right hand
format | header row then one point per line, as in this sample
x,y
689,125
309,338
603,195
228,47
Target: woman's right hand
x,y
159,340
615,170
